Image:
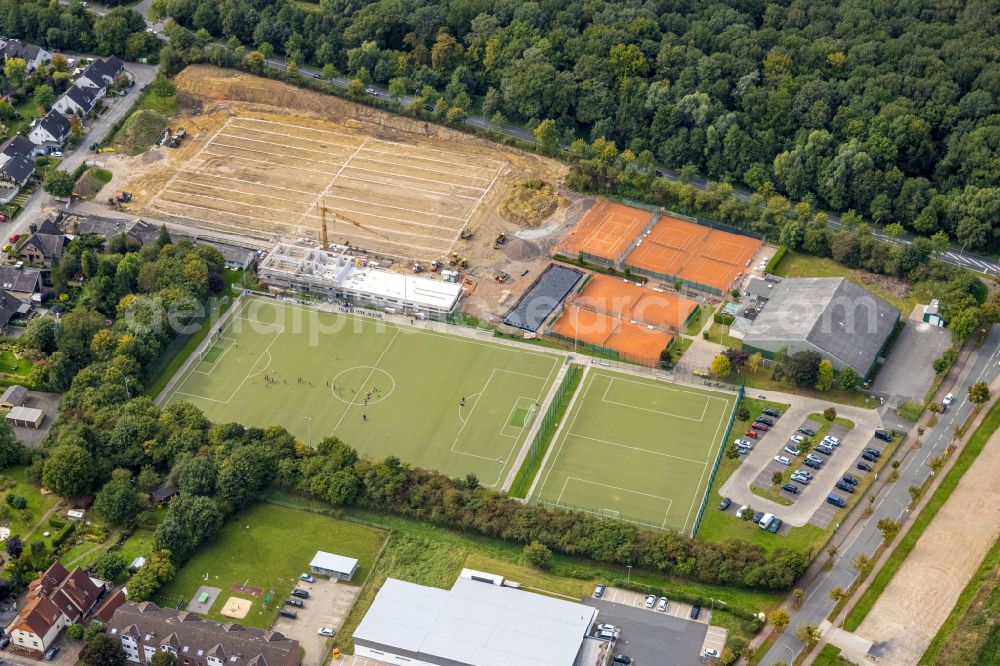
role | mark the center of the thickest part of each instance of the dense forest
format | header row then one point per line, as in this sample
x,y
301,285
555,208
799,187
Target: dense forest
x,y
887,108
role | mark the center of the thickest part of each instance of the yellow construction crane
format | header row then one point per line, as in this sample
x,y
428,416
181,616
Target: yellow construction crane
x,y
323,210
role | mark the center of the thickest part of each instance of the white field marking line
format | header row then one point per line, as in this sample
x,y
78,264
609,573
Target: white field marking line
x,y
318,201
253,194
183,381
191,160
254,183
477,204
301,127
332,162
473,395
517,350
365,383
510,414
236,202
250,373
289,147
666,514
436,169
221,355
417,178
635,448
300,139
242,158
458,435
604,399
422,190
718,443
390,219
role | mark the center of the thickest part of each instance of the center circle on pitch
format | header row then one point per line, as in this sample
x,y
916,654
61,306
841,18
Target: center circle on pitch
x,y
355,383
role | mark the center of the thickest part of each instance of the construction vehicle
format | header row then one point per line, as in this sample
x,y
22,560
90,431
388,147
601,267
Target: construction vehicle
x,y
324,237
502,277
465,233
417,268
435,265
164,138
124,197
500,239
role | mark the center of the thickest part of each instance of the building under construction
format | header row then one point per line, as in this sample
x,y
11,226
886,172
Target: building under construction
x,y
344,278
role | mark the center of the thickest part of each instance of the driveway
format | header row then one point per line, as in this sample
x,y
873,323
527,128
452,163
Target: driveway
x,y
328,604
761,459
907,373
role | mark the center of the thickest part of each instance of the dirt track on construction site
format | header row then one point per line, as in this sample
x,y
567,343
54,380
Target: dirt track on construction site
x,y
920,596
262,158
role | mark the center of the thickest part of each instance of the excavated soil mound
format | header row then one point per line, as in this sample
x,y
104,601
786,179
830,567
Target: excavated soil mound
x,y
519,249
527,204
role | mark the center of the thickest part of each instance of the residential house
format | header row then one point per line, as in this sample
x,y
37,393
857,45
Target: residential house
x,y
18,146
15,172
56,599
50,133
46,243
145,629
33,56
77,100
23,283
164,493
100,74
10,307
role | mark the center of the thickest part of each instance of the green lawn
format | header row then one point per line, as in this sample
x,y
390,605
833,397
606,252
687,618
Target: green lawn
x,y
830,656
763,380
21,522
636,449
966,456
794,264
267,547
698,321
438,401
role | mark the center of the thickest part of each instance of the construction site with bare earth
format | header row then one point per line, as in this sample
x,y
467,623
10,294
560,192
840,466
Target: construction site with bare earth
x,y
265,161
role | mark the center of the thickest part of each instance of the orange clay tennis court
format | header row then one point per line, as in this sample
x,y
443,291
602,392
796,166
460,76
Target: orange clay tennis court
x,y
632,342
619,297
606,231
698,255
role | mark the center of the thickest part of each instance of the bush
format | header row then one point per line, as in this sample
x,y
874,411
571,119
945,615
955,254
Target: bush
x,y
60,538
16,501
56,522
776,259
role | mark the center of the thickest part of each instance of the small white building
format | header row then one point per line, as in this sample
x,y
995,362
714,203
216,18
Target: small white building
x,y
333,566
341,277
25,417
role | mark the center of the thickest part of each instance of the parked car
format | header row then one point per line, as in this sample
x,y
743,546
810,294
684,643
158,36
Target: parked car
x,y
51,653
712,652
757,516
290,601
884,435
622,659
850,479
869,456
13,237
836,500
765,420
864,467
874,452
599,591
806,430
846,487
327,631
815,458
775,525
59,153
4,642
763,427
725,503
695,611
650,601
662,604
783,460
798,439
832,440
752,434
794,450
6,247
772,412
607,627
306,578
371,91
740,511
948,399
791,488
300,593
804,480
812,463
824,449
743,443
290,614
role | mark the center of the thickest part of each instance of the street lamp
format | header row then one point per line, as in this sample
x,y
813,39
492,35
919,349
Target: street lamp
x,y
628,577
309,421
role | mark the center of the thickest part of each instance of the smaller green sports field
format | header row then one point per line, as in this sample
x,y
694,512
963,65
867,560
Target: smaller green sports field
x,y
636,449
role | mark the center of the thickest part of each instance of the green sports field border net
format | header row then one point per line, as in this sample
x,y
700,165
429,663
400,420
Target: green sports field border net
x,y
718,459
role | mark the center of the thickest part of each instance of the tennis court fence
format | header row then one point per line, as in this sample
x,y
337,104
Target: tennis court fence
x,y
543,434
718,460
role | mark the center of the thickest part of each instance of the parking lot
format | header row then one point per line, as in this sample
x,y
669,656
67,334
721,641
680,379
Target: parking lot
x,y
328,604
636,600
651,637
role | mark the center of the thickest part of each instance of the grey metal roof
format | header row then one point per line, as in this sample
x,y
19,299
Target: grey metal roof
x,y
840,318
476,623
544,296
333,562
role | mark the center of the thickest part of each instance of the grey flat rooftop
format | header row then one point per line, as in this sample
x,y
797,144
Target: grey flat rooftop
x,y
475,623
544,296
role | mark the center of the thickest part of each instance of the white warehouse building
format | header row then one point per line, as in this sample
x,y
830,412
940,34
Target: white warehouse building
x,y
340,277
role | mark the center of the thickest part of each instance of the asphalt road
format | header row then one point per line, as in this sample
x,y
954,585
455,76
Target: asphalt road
x,y
891,502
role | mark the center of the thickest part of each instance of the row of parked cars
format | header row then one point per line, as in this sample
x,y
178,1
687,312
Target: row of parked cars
x,y
295,601
848,483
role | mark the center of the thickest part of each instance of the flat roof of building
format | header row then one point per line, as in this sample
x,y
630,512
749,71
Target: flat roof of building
x,y
476,623
25,414
333,562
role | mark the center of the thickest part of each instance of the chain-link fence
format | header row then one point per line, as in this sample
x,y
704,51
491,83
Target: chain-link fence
x,y
718,459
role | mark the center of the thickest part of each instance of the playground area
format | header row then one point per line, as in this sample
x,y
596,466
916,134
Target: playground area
x,y
698,256
455,404
639,450
606,232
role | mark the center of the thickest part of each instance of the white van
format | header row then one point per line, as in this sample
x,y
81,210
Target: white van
x,y
765,521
